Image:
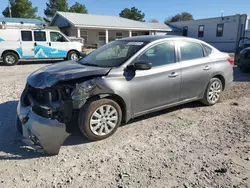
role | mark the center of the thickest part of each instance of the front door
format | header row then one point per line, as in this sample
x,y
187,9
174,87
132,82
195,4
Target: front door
x,y
195,69
159,86
27,48
58,45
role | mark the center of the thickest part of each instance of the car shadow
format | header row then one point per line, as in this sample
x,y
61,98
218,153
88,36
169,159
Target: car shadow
x,y
239,76
12,148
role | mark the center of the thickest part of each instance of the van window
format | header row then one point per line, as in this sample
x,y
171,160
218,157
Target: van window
x,y
57,37
26,36
40,35
190,50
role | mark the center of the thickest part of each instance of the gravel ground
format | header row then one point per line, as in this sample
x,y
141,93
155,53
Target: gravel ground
x,y
186,146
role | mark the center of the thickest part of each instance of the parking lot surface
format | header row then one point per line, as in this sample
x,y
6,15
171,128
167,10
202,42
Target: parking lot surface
x,y
186,146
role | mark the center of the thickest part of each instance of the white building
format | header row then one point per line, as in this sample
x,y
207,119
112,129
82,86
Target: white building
x,y
221,32
98,29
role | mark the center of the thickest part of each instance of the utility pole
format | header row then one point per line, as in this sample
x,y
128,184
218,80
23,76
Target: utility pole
x,y
10,9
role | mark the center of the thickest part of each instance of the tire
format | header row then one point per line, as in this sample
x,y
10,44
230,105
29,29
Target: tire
x,y
10,58
73,55
218,87
94,130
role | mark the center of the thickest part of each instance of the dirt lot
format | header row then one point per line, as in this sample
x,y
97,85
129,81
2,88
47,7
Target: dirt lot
x,y
186,146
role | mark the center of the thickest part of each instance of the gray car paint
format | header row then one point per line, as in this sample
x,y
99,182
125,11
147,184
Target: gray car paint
x,y
141,91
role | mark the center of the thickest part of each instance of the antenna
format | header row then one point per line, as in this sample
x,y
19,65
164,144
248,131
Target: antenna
x,y
222,13
10,9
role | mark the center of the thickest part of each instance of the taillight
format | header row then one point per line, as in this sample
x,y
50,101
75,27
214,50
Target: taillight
x,y
230,60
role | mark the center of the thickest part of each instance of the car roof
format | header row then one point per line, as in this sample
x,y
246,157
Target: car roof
x,y
150,38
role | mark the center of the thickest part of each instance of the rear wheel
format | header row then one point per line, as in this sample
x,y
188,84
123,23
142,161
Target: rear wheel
x,y
100,119
213,92
10,58
73,55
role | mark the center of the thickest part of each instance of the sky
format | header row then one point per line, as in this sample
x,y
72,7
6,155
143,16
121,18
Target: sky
x,y
158,9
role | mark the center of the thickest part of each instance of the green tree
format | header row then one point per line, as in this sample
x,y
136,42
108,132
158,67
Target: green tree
x,y
55,5
180,17
153,20
21,9
78,8
133,14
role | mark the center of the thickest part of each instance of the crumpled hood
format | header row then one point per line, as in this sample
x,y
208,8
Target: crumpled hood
x,y
68,70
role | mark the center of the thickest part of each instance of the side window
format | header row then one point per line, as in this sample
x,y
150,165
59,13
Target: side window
x,y
220,28
201,31
190,50
57,37
26,36
185,31
40,36
208,50
161,54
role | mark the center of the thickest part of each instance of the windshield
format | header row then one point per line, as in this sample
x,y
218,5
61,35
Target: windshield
x,y
113,54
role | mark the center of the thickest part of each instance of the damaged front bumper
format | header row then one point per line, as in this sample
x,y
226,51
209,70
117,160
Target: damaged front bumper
x,y
39,132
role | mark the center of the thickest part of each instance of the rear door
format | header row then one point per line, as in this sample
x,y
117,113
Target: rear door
x,y
195,69
42,49
58,45
27,44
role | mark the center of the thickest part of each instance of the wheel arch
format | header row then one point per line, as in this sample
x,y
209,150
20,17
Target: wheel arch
x,y
221,78
13,51
119,100
73,50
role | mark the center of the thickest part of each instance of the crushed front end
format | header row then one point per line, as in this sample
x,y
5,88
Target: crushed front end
x,y
44,116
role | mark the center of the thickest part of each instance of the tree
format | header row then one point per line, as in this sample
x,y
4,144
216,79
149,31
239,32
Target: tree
x,y
21,9
53,6
180,17
153,20
78,8
133,14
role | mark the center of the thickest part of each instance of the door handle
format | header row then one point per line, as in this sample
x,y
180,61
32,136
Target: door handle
x,y
173,75
207,68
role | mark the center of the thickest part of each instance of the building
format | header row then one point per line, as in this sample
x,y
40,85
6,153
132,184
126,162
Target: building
x,y
221,32
99,29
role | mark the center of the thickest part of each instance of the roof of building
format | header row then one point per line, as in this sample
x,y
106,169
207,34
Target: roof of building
x,y
19,20
113,22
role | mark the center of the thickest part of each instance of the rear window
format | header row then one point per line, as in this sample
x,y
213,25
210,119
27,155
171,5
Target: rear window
x,y
26,36
190,50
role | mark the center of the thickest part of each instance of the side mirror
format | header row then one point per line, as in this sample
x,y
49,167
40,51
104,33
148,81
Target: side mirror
x,y
142,65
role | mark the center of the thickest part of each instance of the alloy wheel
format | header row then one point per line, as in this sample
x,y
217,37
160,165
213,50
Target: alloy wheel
x,y
104,120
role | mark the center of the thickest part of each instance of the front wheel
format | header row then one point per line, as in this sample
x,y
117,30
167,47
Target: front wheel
x,y
73,55
213,91
100,119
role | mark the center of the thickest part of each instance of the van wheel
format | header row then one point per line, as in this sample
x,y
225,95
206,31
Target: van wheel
x,y
10,58
100,119
73,55
213,92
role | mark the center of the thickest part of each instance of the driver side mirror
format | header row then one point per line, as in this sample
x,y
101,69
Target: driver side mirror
x,y
142,65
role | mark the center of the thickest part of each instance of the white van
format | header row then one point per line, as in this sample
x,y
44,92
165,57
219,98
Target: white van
x,y
30,44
